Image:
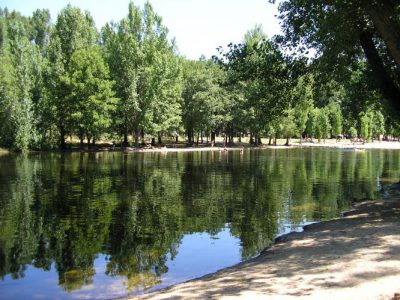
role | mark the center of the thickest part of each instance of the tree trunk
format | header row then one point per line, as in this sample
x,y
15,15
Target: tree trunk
x,y
142,136
384,82
153,141
301,138
62,138
125,143
136,134
259,142
251,141
190,137
383,15
287,141
270,141
160,138
177,139
212,139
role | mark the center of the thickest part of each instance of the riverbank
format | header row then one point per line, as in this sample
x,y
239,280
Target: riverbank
x,y
347,145
4,151
241,147
353,257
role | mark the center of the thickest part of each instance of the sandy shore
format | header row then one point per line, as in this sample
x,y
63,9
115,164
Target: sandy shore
x,y
328,144
354,257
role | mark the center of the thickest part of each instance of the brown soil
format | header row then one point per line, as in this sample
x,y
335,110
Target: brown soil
x,y
354,257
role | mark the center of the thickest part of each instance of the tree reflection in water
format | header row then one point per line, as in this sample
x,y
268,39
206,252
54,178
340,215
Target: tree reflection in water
x,y
135,209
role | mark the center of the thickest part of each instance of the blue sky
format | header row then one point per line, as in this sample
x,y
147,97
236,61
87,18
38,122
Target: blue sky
x,y
199,26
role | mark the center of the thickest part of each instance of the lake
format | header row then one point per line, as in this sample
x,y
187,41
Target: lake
x,y
107,225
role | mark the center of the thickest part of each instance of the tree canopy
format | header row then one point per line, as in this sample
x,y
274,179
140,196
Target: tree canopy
x,y
127,82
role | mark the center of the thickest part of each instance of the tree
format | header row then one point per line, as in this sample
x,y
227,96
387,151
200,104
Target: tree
x,y
303,102
18,58
147,73
259,70
346,32
336,119
207,105
372,124
365,124
322,126
287,126
40,28
379,125
73,31
167,85
352,132
311,124
91,93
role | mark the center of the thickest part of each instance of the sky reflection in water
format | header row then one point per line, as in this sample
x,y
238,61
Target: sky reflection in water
x,y
104,225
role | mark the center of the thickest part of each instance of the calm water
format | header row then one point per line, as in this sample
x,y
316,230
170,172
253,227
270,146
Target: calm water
x,y
104,225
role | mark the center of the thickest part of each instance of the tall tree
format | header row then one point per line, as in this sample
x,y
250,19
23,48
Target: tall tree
x,y
346,32
91,93
145,70
260,71
18,57
336,119
73,31
40,28
303,101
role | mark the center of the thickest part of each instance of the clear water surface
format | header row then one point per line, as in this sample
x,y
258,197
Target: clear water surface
x,y
107,225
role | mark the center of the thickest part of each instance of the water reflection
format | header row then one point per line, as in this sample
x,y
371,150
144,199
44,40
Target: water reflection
x,y
95,219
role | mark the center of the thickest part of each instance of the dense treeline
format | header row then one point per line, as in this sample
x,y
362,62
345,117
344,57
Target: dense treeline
x,y
127,82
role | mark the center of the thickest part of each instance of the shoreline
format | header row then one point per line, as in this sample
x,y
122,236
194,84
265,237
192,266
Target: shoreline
x,y
330,144
343,146
352,257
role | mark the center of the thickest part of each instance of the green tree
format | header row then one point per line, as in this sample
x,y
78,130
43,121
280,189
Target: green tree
x,y
323,126
147,73
73,31
352,132
336,120
259,70
311,125
303,102
365,124
18,57
40,28
207,105
91,93
346,32
167,85
287,126
379,125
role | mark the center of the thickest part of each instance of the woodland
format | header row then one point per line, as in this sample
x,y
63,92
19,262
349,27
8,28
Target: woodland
x,y
334,72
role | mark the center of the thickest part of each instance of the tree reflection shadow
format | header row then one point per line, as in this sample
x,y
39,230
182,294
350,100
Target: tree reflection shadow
x,y
66,209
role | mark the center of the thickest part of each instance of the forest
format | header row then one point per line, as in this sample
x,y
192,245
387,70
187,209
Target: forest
x,y
334,72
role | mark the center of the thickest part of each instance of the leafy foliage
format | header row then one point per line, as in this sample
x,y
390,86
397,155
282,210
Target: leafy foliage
x,y
68,80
